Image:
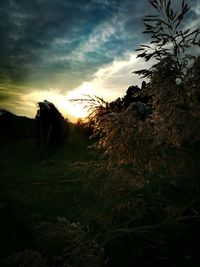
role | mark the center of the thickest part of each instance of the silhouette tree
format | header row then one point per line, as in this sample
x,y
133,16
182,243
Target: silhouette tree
x,y
52,128
169,39
15,128
172,97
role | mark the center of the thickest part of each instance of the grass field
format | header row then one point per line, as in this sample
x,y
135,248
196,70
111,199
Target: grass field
x,y
30,187
159,226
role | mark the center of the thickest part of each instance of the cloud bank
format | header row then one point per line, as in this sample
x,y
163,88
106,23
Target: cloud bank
x,y
70,44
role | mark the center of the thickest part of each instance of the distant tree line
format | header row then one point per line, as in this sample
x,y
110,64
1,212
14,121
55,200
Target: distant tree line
x,y
15,128
52,128
49,127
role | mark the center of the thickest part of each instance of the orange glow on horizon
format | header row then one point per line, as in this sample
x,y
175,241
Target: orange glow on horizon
x,y
69,109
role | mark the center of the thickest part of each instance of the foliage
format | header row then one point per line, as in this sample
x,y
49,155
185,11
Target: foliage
x,y
120,137
124,136
167,200
153,217
142,220
26,258
15,128
69,242
52,127
33,194
82,128
169,39
132,211
176,106
60,244
113,188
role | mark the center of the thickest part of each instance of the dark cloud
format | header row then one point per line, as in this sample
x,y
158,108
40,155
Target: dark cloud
x,y
28,29
45,42
10,97
4,97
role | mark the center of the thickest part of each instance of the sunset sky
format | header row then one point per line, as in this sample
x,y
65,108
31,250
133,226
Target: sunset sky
x,y
61,49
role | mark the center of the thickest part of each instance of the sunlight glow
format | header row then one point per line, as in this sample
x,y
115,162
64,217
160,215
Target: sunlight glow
x,y
76,109
69,109
109,82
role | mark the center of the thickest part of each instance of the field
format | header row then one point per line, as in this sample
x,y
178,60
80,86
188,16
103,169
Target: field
x,y
31,187
61,210
134,198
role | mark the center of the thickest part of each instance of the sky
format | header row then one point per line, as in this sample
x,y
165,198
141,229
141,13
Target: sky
x,y
62,49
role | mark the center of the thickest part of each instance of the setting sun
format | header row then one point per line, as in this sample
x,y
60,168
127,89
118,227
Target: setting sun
x,y
100,133
75,109
69,109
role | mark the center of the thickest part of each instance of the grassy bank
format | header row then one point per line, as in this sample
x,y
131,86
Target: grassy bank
x,y
42,188
57,211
